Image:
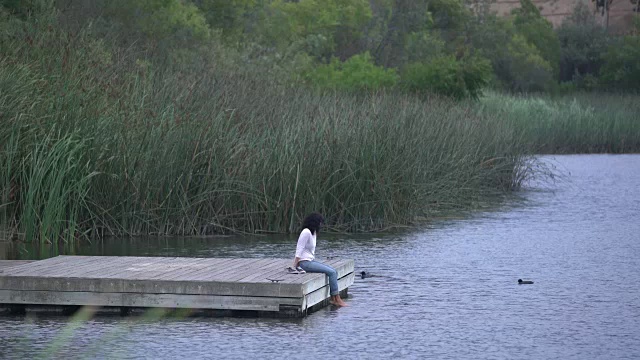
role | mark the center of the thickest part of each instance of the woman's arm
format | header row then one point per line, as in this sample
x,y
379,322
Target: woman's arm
x,y
296,261
302,243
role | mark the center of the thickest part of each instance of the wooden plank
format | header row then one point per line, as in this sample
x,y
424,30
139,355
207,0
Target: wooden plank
x,y
57,268
146,269
117,266
248,266
5,264
217,266
276,270
73,270
23,267
27,268
170,268
210,275
277,265
258,267
220,267
163,268
147,300
213,264
196,265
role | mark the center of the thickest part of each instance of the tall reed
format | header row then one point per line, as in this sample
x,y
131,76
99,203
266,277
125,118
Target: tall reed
x,y
94,137
577,123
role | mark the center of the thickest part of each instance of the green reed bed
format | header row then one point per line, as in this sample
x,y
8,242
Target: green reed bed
x,y
94,139
578,123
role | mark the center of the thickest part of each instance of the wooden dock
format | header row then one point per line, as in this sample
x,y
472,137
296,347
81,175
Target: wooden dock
x,y
215,285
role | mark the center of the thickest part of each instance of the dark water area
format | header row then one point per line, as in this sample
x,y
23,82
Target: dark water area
x,y
447,292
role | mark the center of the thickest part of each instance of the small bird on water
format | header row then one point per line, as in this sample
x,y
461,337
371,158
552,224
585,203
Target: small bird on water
x,y
523,282
364,274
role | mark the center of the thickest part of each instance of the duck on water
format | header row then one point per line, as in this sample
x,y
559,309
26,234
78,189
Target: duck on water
x,y
364,275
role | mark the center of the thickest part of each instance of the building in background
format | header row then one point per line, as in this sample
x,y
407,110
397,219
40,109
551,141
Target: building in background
x,y
620,17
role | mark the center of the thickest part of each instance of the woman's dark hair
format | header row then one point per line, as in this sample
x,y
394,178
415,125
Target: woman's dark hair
x,y
313,222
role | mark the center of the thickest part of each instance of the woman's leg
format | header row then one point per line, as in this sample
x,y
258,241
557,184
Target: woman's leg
x,y
318,267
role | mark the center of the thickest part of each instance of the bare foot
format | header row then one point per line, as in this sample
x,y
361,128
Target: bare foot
x,y
338,302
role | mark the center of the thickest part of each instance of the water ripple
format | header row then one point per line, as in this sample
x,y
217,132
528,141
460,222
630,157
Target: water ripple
x,y
449,292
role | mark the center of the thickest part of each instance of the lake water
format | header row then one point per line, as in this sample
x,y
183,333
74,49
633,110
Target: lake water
x,y
447,292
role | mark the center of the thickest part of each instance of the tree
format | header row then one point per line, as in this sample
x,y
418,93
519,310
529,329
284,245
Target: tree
x,y
583,44
528,69
160,19
357,73
447,76
226,15
334,23
621,69
407,17
538,32
517,64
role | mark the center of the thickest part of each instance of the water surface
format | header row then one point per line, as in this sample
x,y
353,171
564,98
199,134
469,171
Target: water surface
x,y
447,292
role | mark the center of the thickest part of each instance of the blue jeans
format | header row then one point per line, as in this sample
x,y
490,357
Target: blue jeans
x,y
318,267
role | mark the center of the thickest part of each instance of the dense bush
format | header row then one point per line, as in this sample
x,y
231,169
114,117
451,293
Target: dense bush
x,y
445,75
583,43
621,69
357,73
538,32
292,37
338,22
229,16
518,65
162,19
527,69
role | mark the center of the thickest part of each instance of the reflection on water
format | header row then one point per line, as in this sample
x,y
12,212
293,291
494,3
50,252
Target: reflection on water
x,y
447,292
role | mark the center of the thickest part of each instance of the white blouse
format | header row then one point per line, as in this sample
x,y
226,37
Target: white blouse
x,y
306,248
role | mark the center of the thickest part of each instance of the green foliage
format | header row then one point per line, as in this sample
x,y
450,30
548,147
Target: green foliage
x,y
527,69
161,19
488,37
449,16
583,43
422,46
98,134
538,32
227,15
407,17
338,22
446,76
136,148
621,69
518,65
357,73
419,30
24,8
